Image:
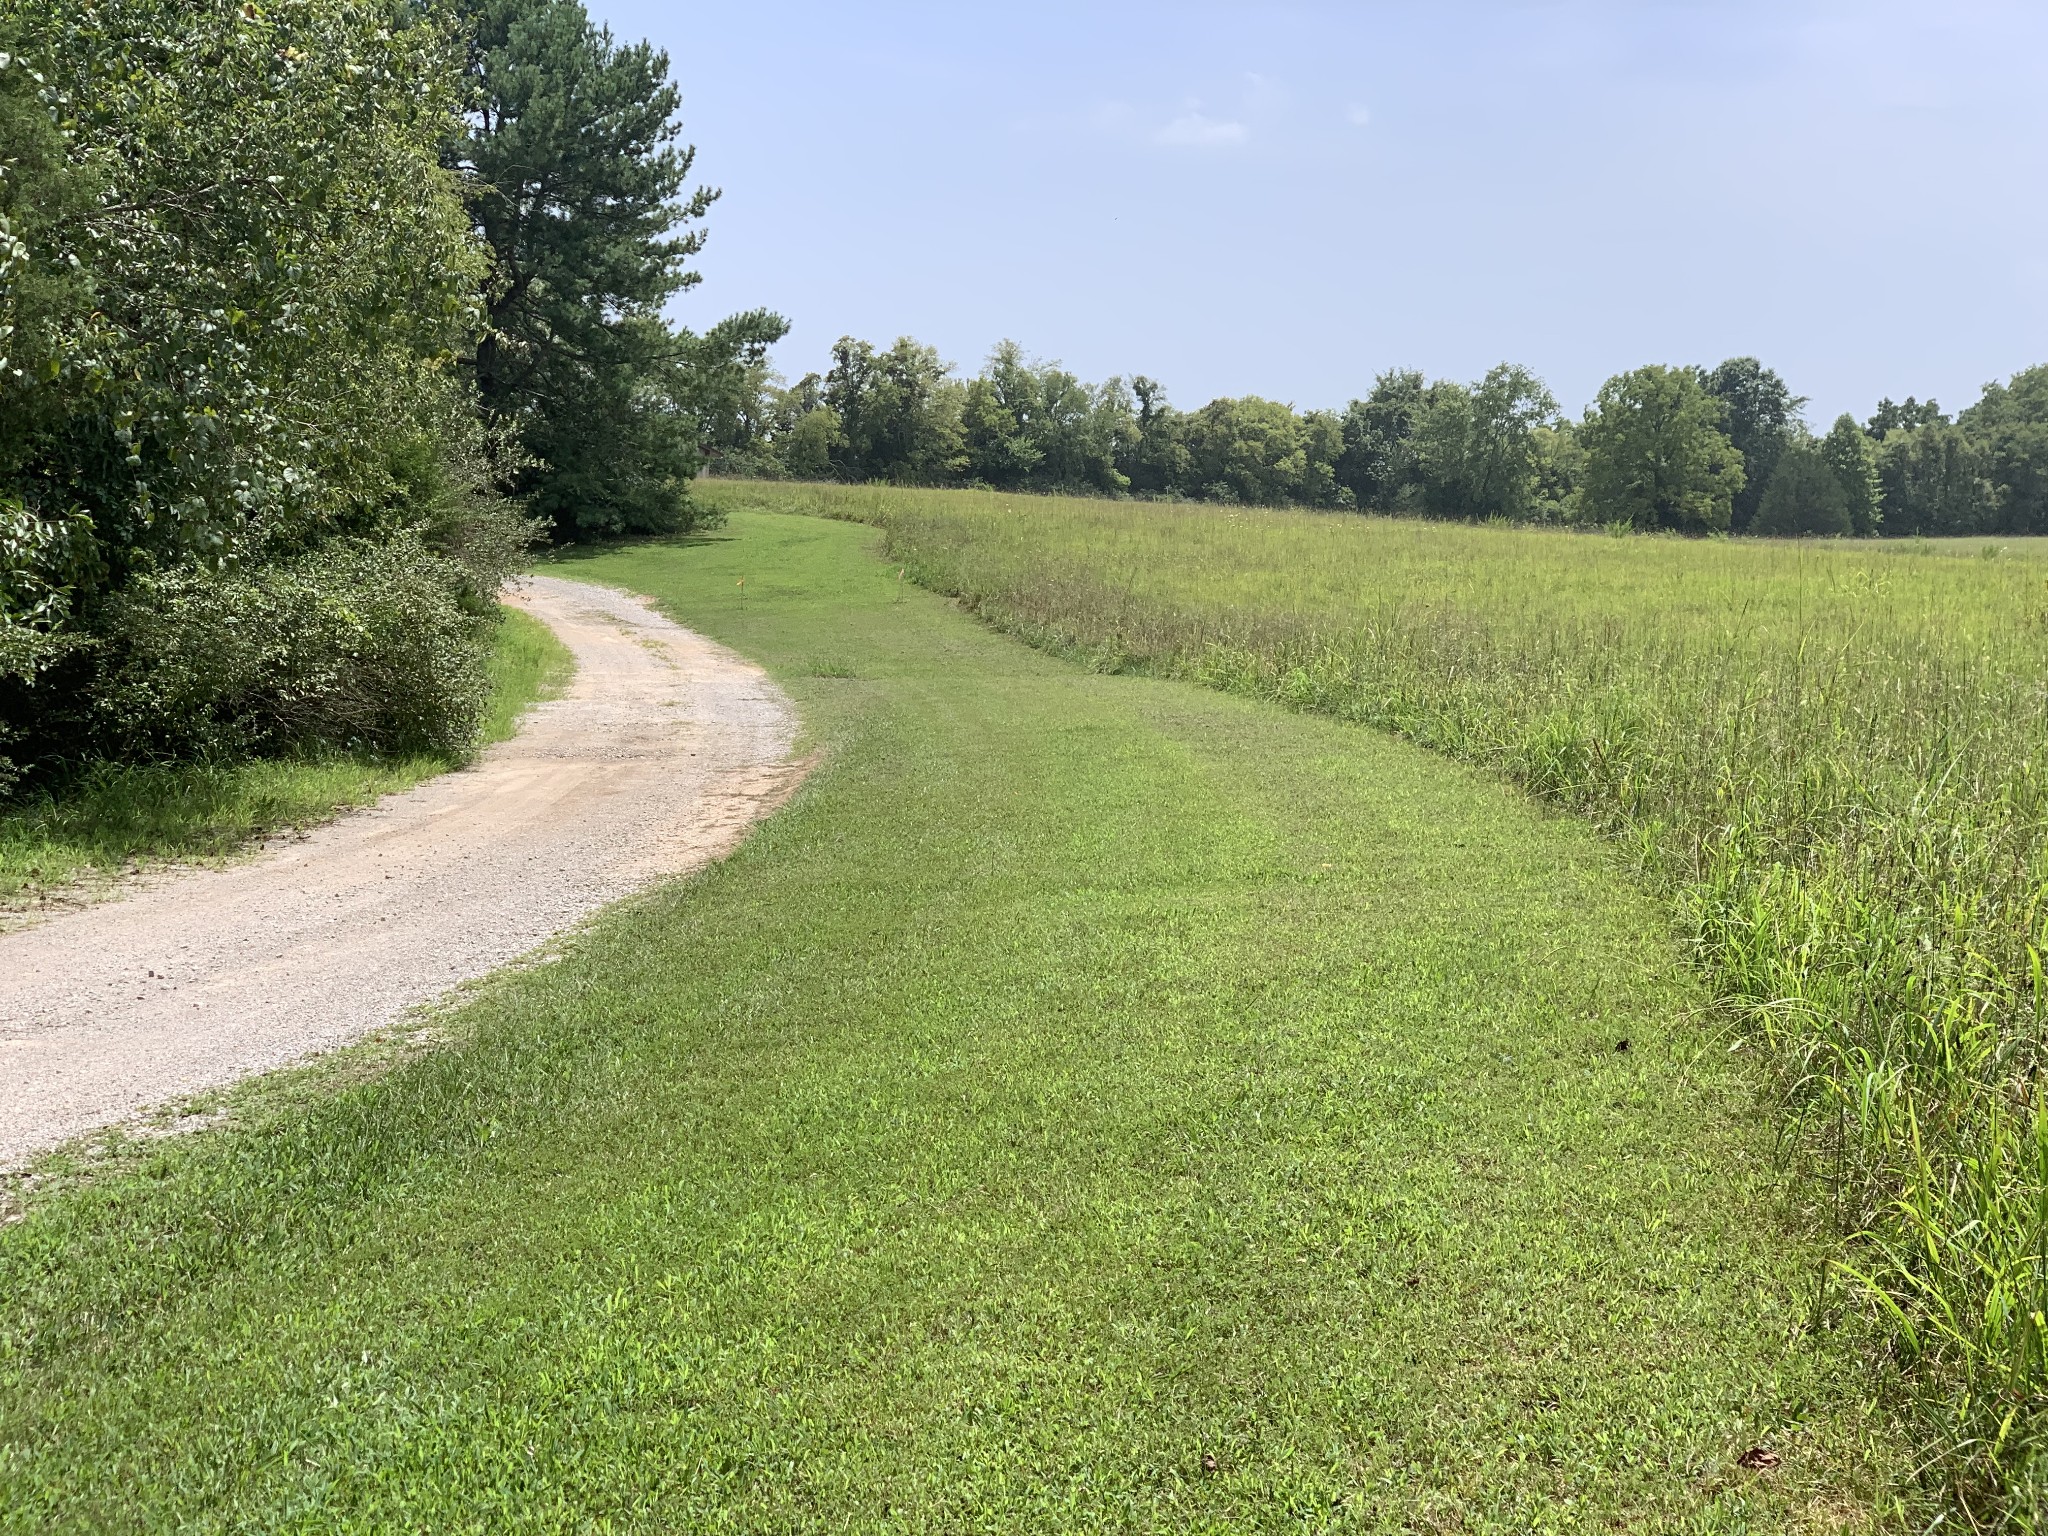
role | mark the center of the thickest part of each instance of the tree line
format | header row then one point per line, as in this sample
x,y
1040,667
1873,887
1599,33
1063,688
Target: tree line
x,y
312,317
1684,449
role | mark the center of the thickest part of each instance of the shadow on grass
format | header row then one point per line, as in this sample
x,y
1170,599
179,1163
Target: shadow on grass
x,y
571,554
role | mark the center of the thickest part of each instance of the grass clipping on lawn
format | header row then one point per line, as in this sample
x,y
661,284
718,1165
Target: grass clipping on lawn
x,y
1832,756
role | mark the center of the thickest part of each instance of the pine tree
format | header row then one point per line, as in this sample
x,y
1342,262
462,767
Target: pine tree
x,y
578,188
1804,497
1852,455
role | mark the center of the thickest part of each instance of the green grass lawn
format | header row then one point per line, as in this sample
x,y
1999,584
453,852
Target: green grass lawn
x,y
1095,1103
1828,757
124,816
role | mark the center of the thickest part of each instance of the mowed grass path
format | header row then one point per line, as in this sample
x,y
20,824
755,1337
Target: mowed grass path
x,y
1094,1104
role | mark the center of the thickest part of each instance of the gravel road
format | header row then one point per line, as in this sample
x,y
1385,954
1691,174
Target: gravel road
x,y
664,750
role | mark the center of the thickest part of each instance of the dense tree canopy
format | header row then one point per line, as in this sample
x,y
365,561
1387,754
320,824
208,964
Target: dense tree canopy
x,y
237,277
896,413
1935,480
1030,425
2010,425
1658,450
1851,457
1805,497
1476,448
247,481
1378,464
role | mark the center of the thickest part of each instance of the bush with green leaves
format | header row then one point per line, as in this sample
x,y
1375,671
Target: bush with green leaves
x,y
363,645
237,282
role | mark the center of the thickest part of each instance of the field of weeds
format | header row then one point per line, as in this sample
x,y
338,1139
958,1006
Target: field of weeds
x,y
1831,757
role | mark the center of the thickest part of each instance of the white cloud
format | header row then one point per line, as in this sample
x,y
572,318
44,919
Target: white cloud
x,y
1194,130
1358,117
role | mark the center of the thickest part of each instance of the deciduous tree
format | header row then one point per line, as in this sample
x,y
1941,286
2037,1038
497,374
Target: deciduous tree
x,y
1762,420
1656,457
1378,463
1248,450
899,412
1474,447
1155,459
2010,425
237,278
1935,481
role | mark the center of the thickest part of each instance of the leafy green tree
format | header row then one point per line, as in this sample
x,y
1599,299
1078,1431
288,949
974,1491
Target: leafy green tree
x,y
1475,447
1378,465
571,148
235,303
811,445
899,412
1936,481
1762,420
1155,458
2010,425
1038,424
1892,416
1804,498
1322,446
1656,457
1247,450
999,451
1557,472
798,434
1080,431
1852,456
45,552
278,268
42,294
1112,435
739,403
1436,452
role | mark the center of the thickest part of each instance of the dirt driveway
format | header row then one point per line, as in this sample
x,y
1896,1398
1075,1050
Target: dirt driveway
x,y
664,750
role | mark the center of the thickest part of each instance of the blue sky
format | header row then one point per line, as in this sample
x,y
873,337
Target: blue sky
x,y
1286,199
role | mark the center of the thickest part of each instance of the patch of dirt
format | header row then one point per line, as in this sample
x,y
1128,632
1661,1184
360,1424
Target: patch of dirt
x,y
664,750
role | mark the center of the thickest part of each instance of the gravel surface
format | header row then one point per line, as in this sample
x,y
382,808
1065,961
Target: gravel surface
x,y
664,750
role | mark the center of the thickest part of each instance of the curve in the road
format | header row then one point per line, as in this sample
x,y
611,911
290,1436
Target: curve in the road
x,y
661,754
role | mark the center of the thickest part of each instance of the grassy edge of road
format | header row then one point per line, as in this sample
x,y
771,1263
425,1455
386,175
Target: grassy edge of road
x,y
125,817
1092,1103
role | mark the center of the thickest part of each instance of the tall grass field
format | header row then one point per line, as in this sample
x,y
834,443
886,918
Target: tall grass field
x,y
1831,758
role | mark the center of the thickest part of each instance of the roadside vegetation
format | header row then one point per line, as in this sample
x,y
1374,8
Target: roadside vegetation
x,y
123,816
1662,449
1094,1103
313,317
1833,759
